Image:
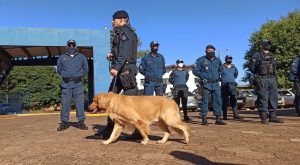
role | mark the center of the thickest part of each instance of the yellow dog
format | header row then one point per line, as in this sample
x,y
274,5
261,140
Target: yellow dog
x,y
140,112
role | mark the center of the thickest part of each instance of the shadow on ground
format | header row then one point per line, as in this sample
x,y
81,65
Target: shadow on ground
x,y
195,159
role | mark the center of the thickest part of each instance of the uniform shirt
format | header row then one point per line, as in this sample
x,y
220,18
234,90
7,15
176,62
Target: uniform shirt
x,y
124,47
152,66
229,74
179,77
209,70
75,66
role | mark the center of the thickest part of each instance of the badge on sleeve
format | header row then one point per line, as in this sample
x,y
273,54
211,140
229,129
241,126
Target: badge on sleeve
x,y
124,37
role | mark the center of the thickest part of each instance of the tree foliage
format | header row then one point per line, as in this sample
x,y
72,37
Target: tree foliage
x,y
38,86
285,38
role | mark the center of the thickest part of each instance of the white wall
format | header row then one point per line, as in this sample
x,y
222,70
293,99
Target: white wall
x,y
190,83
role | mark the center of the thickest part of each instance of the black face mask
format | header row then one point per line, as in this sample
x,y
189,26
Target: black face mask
x,y
228,61
71,50
154,50
210,54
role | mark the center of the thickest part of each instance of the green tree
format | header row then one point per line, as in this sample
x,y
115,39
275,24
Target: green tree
x,y
38,85
285,38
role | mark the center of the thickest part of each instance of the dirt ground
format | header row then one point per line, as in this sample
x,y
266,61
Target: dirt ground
x,y
34,140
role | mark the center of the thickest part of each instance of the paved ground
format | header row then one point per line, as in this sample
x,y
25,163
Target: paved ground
x,y
34,140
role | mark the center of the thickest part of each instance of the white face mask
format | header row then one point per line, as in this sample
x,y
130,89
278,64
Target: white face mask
x,y
180,65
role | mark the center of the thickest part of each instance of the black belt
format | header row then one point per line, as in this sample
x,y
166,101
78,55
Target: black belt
x,y
180,86
152,79
208,81
228,83
74,79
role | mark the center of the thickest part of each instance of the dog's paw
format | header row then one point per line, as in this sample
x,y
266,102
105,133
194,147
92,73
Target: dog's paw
x,y
161,141
105,142
187,141
144,142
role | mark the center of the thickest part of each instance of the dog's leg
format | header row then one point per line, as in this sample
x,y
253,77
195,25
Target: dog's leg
x,y
182,127
144,130
114,135
163,126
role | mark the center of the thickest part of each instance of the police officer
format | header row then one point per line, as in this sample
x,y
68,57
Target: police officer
x,y
153,67
178,78
228,87
263,67
123,56
72,66
295,77
208,68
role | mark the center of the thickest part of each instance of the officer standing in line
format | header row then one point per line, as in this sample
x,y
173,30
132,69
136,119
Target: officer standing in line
x,y
228,87
153,68
263,67
123,57
295,77
72,66
178,78
208,68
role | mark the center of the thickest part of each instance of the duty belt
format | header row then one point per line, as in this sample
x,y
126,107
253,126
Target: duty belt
x,y
208,81
74,79
152,79
228,83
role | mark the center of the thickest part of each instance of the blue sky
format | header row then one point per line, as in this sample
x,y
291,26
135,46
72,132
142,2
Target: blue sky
x,y
182,27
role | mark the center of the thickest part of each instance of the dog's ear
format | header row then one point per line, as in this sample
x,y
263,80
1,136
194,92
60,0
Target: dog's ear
x,y
103,100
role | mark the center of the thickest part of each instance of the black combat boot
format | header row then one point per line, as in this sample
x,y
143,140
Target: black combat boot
x,y
236,115
63,126
219,121
185,118
81,125
264,117
105,134
273,118
204,120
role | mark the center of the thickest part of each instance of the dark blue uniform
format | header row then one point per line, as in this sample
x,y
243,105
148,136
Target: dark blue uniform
x,y
153,68
263,66
228,88
295,77
180,92
124,50
209,72
72,70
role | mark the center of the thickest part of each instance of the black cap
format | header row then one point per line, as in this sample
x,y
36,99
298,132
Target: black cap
x,y
71,41
120,14
153,43
228,57
265,44
179,61
210,47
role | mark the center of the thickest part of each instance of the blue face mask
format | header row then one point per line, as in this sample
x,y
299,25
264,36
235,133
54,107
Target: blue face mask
x,y
71,50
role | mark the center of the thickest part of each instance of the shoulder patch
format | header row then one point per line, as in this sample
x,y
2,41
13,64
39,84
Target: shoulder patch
x,y
123,37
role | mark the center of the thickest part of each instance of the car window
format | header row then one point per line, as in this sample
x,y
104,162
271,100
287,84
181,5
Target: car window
x,y
284,93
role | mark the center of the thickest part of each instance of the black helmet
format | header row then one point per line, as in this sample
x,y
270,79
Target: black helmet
x,y
228,57
71,42
210,47
179,61
153,43
265,44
